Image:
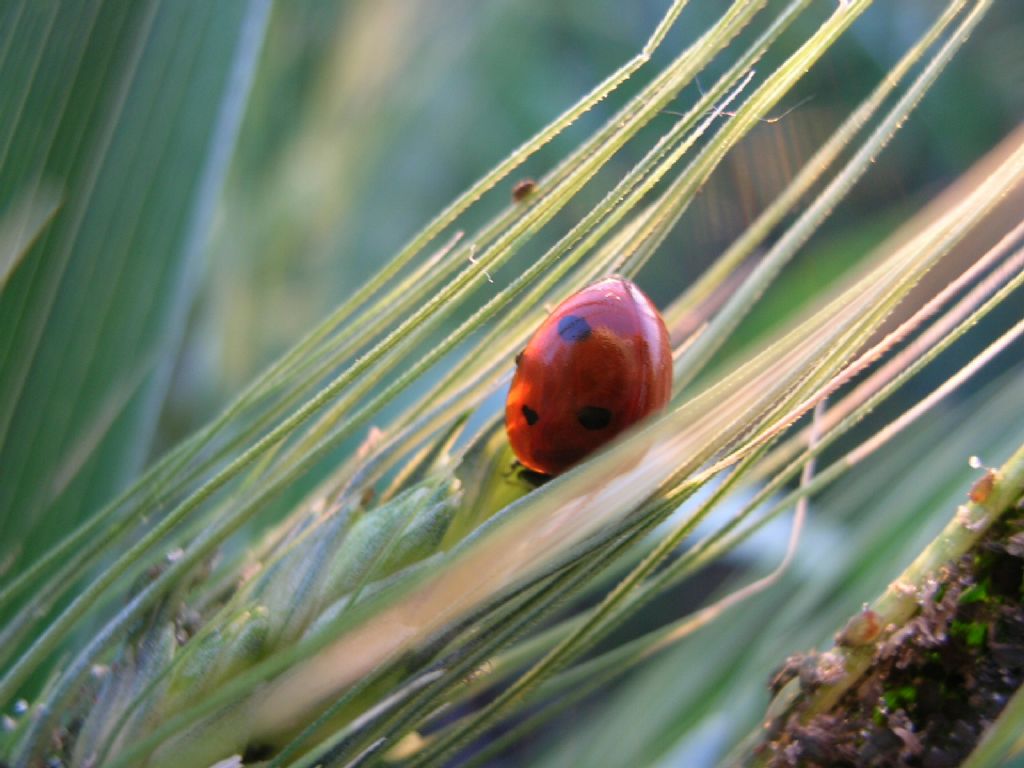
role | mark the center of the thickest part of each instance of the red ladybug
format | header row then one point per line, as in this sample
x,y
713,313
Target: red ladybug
x,y
600,363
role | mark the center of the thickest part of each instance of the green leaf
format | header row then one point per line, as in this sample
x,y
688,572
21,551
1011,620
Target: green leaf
x,y
131,108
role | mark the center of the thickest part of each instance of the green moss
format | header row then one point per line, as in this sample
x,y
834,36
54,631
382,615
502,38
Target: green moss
x,y
975,593
971,632
899,698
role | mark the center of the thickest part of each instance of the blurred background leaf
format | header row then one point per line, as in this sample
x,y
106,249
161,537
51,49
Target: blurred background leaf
x,y
131,110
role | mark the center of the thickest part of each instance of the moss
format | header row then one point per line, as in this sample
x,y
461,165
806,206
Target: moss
x,y
971,632
938,682
897,698
975,593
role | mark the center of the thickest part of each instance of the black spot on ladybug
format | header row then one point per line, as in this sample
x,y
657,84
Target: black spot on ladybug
x,y
530,415
592,417
519,358
573,328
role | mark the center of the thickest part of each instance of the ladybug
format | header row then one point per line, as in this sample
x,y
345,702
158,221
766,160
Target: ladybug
x,y
598,364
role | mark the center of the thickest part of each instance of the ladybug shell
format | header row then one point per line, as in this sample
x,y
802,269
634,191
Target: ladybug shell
x,y
600,363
